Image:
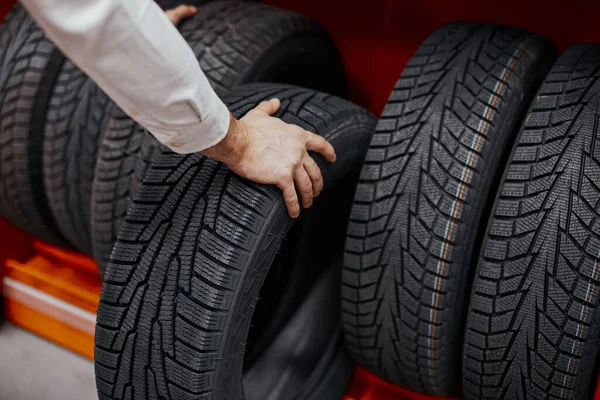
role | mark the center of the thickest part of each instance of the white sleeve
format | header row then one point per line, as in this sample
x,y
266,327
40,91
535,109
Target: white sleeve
x,y
136,55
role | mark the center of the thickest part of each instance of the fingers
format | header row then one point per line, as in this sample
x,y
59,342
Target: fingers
x,y
290,197
314,173
319,145
304,186
270,107
178,13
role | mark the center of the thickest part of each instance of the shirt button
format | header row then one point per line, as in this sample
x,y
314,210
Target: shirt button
x,y
133,113
175,144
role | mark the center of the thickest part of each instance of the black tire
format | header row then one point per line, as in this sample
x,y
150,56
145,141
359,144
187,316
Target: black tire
x,y
319,346
30,64
76,119
331,379
192,258
30,59
425,187
235,42
534,316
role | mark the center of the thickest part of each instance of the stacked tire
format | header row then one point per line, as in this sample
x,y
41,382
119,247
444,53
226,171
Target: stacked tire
x,y
535,306
72,160
235,43
463,225
423,197
48,110
251,303
84,159
30,64
198,249
471,262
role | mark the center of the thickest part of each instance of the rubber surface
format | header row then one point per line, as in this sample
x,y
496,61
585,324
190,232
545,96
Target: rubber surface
x,y
195,249
305,360
235,42
424,190
28,194
29,67
534,318
76,119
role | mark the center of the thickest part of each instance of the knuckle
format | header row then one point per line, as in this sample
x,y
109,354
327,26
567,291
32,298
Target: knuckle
x,y
306,187
289,194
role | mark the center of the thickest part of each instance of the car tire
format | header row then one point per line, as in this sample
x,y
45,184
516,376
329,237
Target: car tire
x,y
425,188
235,42
534,316
76,119
200,246
30,65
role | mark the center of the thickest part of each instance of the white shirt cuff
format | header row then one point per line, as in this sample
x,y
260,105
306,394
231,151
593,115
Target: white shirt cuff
x,y
198,136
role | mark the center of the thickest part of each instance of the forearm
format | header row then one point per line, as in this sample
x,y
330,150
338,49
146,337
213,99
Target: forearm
x,y
136,55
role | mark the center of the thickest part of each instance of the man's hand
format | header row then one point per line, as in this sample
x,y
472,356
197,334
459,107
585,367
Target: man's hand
x,y
178,13
266,150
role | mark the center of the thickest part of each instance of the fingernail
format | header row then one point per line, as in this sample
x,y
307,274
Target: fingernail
x,y
309,205
274,100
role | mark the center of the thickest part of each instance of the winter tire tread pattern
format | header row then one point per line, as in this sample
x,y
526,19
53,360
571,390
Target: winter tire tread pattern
x,y
423,190
534,317
192,254
75,121
229,39
29,67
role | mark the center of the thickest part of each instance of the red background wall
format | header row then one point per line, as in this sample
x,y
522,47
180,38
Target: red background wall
x,y
4,7
377,37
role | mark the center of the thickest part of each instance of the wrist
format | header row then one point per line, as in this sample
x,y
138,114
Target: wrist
x,y
232,148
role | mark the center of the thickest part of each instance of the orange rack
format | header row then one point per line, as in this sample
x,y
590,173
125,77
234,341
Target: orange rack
x,y
54,294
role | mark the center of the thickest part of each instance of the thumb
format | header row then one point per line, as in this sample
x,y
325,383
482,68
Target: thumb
x,y
178,13
270,107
